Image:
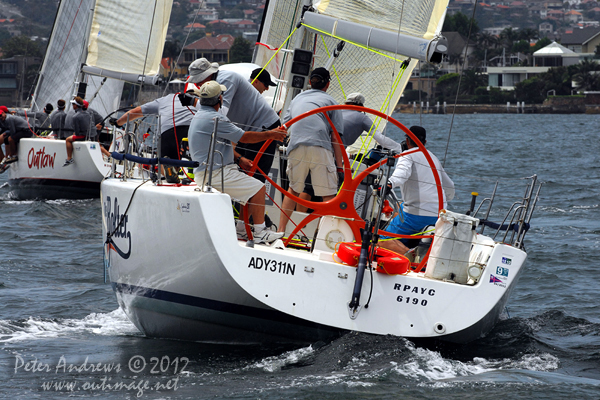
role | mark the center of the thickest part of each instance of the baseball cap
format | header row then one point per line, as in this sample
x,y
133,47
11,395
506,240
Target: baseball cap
x,y
211,89
263,76
355,98
201,69
86,104
321,73
4,109
49,107
419,132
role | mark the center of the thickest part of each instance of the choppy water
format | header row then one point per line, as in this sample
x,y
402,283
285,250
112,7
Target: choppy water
x,y
56,312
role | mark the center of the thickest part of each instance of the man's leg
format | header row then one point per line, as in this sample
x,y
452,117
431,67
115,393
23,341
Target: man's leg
x,y
69,143
12,147
287,207
256,207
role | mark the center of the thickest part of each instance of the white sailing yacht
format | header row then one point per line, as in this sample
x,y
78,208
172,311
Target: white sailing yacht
x,y
179,271
95,46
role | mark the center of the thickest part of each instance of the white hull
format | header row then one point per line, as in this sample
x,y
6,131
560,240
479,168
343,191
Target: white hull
x,y
39,173
179,271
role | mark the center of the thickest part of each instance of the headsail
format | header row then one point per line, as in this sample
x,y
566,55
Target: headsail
x,y
63,59
376,33
127,39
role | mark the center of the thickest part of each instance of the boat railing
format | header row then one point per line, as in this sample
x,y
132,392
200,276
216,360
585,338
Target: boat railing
x,y
134,152
518,215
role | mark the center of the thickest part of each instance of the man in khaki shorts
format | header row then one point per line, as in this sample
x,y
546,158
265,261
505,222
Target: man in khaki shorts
x,y
311,146
237,184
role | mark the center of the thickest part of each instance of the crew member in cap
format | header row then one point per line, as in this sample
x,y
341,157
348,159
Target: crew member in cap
x,y
312,147
81,128
355,122
243,105
170,109
261,80
12,130
414,177
57,119
39,121
237,184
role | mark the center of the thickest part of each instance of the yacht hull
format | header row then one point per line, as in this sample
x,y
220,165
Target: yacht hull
x,y
179,271
39,173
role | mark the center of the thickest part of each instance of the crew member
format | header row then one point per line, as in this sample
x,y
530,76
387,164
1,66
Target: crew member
x,y
414,177
312,147
237,184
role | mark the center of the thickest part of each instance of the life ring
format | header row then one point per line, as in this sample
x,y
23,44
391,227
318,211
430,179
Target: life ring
x,y
388,261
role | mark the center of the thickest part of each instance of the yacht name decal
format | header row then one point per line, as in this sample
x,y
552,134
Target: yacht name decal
x,y
280,267
39,159
116,227
410,291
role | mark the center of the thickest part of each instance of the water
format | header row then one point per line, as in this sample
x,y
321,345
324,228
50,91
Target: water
x,y
56,311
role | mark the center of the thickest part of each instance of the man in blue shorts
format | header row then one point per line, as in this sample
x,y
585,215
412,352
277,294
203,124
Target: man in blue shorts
x,y
414,177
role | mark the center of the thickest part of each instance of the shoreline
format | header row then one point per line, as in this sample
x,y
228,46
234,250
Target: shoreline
x,y
498,109
553,105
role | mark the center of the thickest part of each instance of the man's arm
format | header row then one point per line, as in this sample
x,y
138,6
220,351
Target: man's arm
x,y
132,114
448,186
277,134
401,172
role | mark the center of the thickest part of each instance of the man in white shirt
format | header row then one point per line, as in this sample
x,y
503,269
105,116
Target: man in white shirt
x,y
414,177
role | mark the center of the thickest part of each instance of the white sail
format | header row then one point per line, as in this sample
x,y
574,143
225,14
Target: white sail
x,y
363,66
62,62
127,39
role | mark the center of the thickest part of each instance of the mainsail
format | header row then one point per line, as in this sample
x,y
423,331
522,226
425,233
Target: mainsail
x,y
379,34
62,63
127,39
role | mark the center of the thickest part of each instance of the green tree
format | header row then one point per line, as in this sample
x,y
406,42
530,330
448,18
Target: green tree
x,y
530,91
240,51
4,36
460,23
528,34
471,80
508,37
21,46
522,46
586,77
446,86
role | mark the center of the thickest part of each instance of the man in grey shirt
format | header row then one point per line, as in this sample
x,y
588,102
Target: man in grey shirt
x,y
12,130
311,149
175,121
243,105
237,184
39,121
355,122
57,119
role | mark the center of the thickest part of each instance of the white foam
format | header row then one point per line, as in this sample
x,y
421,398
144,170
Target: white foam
x,y
276,363
105,324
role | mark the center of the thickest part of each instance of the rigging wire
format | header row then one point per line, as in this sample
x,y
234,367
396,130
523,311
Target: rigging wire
x,y
459,81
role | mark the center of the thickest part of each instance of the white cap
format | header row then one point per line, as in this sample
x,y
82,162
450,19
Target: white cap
x,y
211,89
355,98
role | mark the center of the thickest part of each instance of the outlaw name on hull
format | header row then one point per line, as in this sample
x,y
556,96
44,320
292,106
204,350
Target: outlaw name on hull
x,y
39,173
